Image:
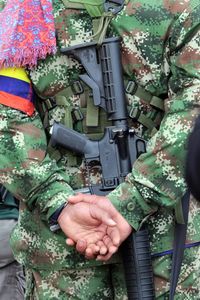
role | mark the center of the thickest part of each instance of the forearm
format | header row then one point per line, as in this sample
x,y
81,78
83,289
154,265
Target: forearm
x,y
25,168
157,178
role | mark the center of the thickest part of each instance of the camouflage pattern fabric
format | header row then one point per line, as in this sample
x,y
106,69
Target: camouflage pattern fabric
x,y
96,282
161,52
90,283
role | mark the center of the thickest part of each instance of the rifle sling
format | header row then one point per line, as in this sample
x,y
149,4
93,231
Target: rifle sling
x,y
3,193
179,242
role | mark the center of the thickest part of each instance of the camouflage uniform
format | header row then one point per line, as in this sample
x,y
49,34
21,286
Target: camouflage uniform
x,y
161,52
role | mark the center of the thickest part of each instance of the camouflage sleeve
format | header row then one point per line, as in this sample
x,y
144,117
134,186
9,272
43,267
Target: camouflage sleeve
x,y
157,177
26,170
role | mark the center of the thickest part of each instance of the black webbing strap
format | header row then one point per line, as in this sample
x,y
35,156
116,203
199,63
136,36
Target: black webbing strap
x,y
3,193
179,246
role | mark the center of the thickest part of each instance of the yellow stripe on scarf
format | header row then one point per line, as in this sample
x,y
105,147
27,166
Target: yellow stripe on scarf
x,y
18,73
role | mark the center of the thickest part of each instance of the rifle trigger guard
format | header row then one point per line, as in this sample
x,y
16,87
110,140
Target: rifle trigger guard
x,y
113,6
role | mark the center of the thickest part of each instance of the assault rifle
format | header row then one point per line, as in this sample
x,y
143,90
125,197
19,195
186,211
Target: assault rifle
x,y
115,152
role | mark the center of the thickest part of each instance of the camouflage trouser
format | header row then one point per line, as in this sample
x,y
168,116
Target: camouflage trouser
x,y
12,281
95,283
107,282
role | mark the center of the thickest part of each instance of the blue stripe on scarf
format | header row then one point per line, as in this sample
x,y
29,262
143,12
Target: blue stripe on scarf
x,y
16,87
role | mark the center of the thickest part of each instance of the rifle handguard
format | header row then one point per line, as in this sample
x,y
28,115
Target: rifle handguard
x,y
137,262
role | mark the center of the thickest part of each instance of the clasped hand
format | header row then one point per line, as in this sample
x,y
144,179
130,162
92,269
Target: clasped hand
x,y
93,226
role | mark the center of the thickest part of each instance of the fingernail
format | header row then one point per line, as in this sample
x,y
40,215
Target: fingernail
x,y
111,222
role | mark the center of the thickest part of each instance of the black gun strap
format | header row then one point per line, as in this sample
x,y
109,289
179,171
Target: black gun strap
x,y
3,193
179,246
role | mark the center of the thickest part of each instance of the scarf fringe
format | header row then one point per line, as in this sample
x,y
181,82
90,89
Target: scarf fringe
x,y
27,32
26,57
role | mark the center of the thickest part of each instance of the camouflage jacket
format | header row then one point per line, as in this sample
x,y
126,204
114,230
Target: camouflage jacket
x,y
161,52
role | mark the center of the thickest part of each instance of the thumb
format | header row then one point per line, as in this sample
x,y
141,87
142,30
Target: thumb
x,y
87,198
101,215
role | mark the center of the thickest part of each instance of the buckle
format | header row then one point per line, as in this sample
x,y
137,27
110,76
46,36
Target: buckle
x,y
50,103
77,114
77,88
131,87
113,6
134,113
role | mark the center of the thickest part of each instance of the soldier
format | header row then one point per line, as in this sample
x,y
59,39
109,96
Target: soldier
x,y
160,53
12,281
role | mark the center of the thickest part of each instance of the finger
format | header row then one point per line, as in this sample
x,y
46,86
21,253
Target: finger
x,y
89,257
101,215
70,242
114,234
92,248
102,248
107,241
82,197
106,257
81,246
92,251
109,245
111,249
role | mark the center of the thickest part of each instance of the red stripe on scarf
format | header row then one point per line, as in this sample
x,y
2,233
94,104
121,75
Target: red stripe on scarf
x,y
17,102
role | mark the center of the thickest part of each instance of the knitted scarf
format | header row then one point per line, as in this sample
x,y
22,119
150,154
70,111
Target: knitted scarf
x,y
27,32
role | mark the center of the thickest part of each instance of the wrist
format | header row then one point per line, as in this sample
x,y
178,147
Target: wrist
x,y
53,220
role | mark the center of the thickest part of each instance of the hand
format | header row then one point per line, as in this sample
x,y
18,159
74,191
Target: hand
x,y
87,224
105,245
